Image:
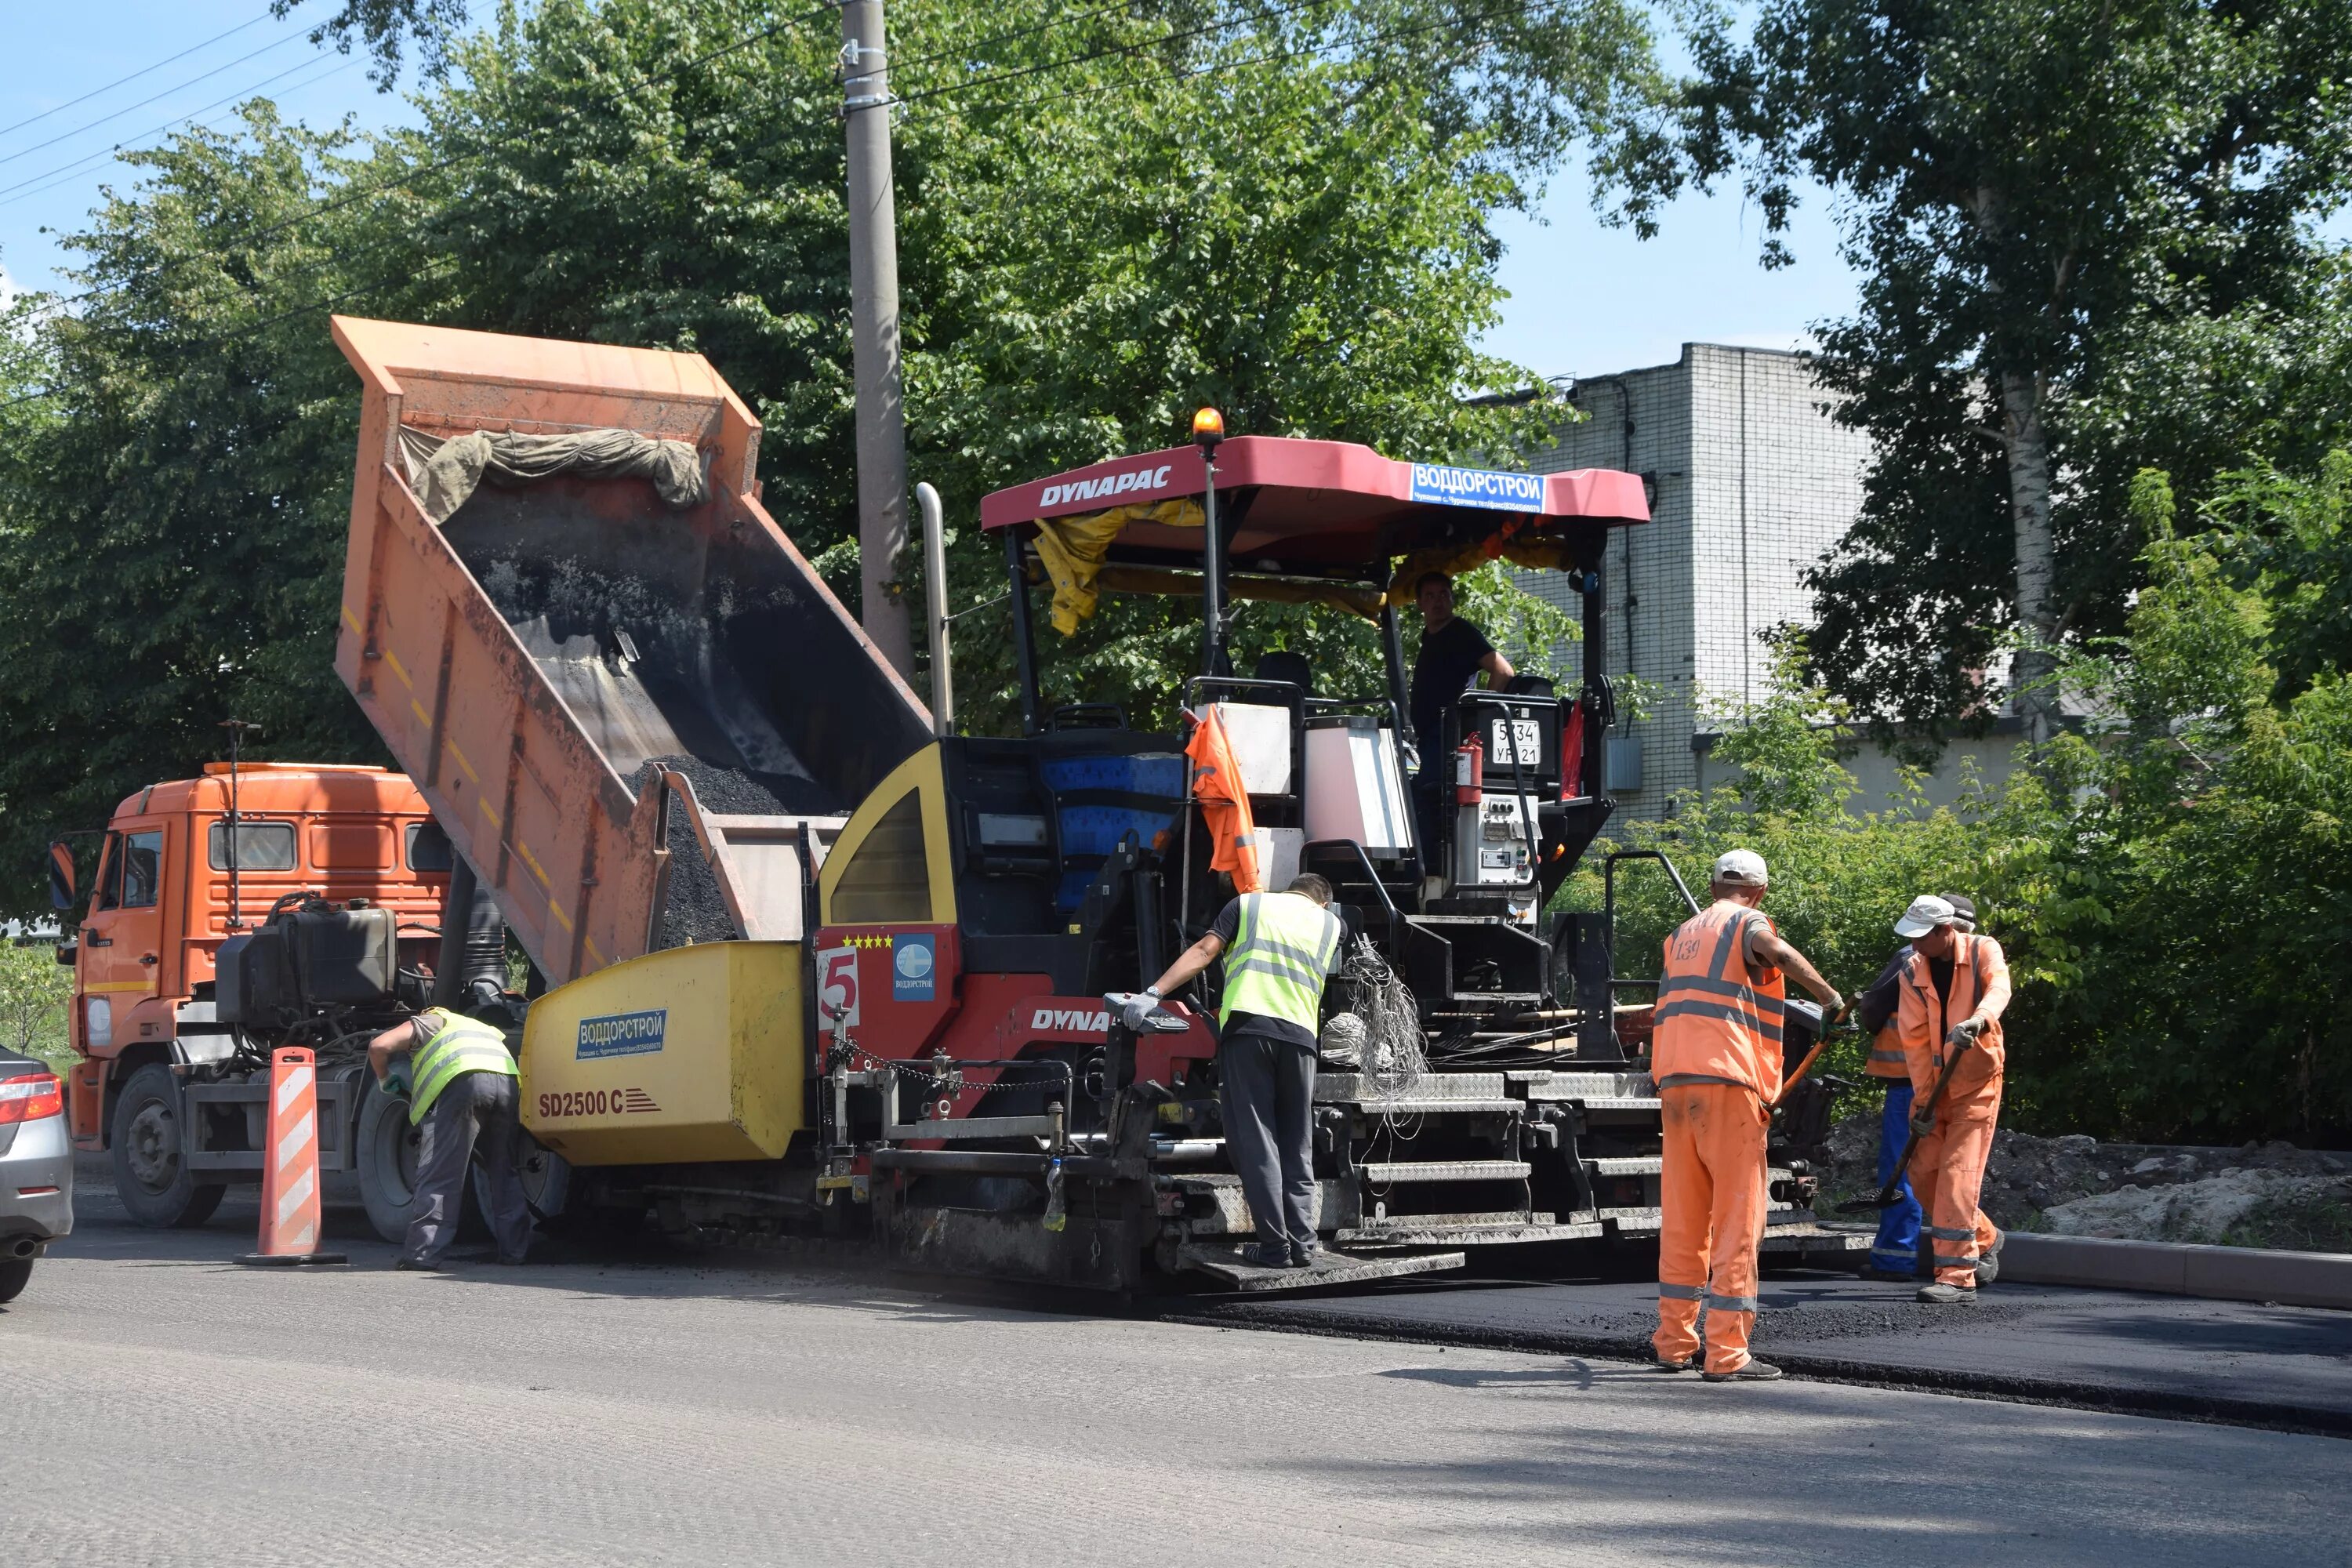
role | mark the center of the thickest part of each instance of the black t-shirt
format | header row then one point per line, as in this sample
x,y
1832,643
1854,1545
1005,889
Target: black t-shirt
x,y
1939,970
1448,664
1228,928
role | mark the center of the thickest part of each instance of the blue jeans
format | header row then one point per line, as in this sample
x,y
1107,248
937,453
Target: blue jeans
x,y
1896,1250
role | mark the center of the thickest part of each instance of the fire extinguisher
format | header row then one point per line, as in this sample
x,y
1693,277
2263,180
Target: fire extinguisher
x,y
1470,773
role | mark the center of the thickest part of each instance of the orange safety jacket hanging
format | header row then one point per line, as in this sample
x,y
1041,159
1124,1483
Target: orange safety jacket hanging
x,y
1718,1021
1225,804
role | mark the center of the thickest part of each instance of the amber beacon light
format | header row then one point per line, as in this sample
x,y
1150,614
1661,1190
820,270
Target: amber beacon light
x,y
1208,428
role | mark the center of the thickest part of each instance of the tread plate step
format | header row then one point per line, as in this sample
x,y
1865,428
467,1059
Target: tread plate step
x,y
1396,1172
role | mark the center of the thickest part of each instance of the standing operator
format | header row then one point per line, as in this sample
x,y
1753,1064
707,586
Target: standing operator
x,y
462,1083
1954,989
1716,1055
1279,948
1894,1252
1452,652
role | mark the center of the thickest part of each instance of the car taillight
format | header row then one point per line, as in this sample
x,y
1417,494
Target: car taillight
x,y
30,1098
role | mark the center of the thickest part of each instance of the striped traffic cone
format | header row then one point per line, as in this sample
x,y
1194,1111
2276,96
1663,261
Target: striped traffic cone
x,y
289,1165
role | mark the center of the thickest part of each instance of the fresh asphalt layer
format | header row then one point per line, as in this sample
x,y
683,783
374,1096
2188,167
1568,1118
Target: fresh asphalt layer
x,y
2241,1362
640,1406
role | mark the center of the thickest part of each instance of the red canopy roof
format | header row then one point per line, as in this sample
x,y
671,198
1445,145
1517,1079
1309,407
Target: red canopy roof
x,y
1324,502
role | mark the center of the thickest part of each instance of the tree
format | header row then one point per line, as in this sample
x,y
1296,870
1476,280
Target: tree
x,y
2044,196
1105,220
34,991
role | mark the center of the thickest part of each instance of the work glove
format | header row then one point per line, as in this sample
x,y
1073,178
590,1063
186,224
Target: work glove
x,y
1136,1011
1924,1123
1963,1032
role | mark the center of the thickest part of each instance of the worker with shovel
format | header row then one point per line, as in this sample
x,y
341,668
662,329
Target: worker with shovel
x,y
1894,1251
1716,1055
1953,991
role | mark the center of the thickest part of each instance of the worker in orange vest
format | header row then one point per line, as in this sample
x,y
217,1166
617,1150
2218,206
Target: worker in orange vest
x,y
1894,1251
1954,989
1225,804
1716,1055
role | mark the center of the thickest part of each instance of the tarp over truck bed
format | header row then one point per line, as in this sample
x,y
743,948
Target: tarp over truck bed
x,y
635,722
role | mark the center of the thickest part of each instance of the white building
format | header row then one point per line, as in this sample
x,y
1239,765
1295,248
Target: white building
x,y
1750,481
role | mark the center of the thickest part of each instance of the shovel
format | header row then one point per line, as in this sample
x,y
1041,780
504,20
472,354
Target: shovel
x,y
1891,1193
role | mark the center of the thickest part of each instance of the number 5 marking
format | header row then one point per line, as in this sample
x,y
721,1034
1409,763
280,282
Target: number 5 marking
x,y
836,987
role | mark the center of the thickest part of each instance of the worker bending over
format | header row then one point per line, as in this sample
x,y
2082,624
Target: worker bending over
x,y
1894,1251
1716,1055
1278,950
1954,988
461,1085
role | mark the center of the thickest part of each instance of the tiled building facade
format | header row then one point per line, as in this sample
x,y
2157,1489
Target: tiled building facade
x,y
1751,481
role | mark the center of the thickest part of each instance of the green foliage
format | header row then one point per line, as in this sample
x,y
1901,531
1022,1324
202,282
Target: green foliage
x,y
2168,887
1106,218
34,991
2102,210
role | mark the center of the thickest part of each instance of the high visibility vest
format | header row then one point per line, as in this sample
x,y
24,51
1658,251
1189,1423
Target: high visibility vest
x,y
1716,1021
1281,953
1225,804
456,1045
1922,1018
1886,1058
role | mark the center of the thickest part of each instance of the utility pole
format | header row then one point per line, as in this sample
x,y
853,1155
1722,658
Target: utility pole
x,y
873,324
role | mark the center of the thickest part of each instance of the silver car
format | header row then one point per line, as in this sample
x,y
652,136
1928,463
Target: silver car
x,y
35,1167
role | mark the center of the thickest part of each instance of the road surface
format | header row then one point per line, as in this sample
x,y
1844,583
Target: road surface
x,y
167,1406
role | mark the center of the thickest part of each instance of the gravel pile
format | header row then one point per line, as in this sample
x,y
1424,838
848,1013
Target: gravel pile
x,y
2076,1186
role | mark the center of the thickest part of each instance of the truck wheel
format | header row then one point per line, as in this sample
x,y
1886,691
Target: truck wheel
x,y
13,1275
387,1146
150,1175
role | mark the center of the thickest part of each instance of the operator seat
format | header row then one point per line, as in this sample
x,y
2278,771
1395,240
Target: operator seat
x,y
1281,664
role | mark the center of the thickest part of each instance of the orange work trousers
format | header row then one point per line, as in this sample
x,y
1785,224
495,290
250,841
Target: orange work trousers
x,y
1712,1188
1947,1173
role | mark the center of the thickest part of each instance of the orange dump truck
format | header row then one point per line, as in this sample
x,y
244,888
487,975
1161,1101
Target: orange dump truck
x,y
172,897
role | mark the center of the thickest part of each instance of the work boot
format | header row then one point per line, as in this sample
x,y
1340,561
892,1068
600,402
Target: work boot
x,y
1988,1260
1663,1365
1304,1253
1947,1295
1268,1254
1749,1371
421,1265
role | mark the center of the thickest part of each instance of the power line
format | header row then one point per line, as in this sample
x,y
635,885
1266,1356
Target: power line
x,y
135,76
68,170
94,124
409,177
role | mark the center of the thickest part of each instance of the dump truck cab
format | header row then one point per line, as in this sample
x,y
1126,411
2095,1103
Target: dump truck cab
x,y
162,1079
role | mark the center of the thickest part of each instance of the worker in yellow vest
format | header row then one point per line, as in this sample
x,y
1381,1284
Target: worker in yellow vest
x,y
1279,949
461,1087
1716,1055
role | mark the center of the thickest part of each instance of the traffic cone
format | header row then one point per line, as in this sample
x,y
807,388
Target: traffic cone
x,y
289,1165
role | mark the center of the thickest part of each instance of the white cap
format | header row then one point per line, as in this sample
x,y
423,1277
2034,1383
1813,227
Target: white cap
x,y
1744,867
1926,913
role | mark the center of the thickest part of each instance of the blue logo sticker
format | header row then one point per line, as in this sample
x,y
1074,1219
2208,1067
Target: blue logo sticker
x,y
1438,485
914,967
623,1035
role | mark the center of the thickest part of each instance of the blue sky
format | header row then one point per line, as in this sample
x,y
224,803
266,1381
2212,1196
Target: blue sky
x,y
1585,298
